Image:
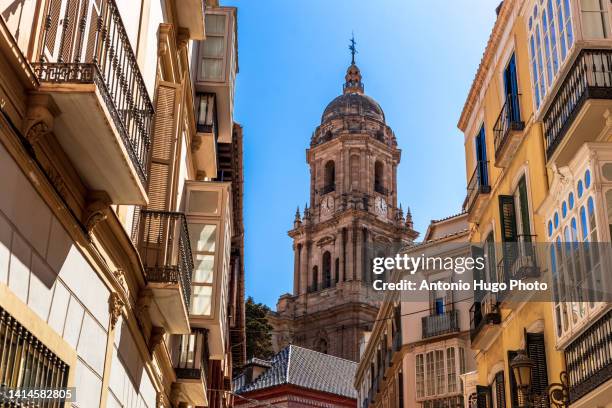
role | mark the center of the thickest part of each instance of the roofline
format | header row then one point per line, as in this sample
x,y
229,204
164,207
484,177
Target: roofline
x,y
485,62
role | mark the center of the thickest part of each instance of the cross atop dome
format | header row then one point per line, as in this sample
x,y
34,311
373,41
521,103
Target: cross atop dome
x,y
353,82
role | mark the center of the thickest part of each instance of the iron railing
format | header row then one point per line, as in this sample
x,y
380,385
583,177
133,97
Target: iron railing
x,y
478,184
519,260
509,120
590,77
328,189
379,188
89,45
437,325
165,249
25,362
191,355
482,313
589,358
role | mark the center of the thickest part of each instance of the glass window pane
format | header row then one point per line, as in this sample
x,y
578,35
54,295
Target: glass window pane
x,y
203,201
215,24
202,237
201,300
212,69
203,270
213,47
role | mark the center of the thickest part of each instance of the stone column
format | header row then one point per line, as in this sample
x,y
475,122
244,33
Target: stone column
x,y
350,254
304,269
297,248
341,254
358,253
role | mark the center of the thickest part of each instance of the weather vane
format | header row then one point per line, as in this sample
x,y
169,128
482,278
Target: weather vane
x,y
352,48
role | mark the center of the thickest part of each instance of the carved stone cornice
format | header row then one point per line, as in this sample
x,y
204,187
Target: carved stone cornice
x,y
97,206
157,337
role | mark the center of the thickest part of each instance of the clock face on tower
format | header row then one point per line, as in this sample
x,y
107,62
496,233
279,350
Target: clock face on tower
x,y
327,205
380,206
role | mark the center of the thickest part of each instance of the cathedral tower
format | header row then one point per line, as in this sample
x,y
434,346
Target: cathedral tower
x,y
353,159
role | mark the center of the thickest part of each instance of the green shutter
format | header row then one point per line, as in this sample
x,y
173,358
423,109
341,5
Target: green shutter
x,y
483,394
536,351
507,218
500,390
524,200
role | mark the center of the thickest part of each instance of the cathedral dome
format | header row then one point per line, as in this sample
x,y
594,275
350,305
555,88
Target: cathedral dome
x,y
353,101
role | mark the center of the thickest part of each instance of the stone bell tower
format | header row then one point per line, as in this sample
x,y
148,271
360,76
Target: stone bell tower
x,y
353,159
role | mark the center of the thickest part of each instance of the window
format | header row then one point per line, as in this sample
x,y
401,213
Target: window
x,y
440,380
481,158
379,184
574,259
512,91
430,373
550,38
330,177
315,279
595,18
203,239
354,165
451,369
499,398
212,50
420,376
27,355
326,270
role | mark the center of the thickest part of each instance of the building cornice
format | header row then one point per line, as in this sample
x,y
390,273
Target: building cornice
x,y
485,63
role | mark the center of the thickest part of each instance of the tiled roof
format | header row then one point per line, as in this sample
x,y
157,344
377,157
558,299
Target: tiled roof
x,y
304,368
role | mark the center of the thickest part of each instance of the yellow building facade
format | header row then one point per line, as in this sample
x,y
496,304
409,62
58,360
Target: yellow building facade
x,y
525,94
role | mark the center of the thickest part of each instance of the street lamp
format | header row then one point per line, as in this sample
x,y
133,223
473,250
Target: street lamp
x,y
522,366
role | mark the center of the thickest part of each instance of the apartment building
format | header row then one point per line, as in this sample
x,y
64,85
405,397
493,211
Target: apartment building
x,y
419,348
536,132
121,268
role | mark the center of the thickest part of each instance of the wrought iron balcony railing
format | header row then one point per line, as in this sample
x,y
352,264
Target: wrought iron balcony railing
x,y
379,188
478,184
589,358
519,260
192,355
437,325
590,77
482,313
327,189
89,45
509,120
165,249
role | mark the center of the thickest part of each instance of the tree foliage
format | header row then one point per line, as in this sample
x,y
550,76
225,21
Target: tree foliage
x,y
258,330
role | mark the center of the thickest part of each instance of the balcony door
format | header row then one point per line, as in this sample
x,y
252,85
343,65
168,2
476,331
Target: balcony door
x,y
511,91
481,158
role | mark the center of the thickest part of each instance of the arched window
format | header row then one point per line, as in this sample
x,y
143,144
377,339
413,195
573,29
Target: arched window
x,y
330,177
322,346
337,270
379,184
315,279
326,270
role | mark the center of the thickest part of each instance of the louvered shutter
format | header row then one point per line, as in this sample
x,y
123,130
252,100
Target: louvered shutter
x,y
163,148
482,396
524,200
507,219
478,252
52,40
500,390
514,397
537,352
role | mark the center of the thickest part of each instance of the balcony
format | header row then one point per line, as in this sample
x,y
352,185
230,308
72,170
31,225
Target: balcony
x,y
438,325
209,218
508,130
190,359
577,112
87,65
327,189
478,187
205,145
217,61
485,318
589,362
519,260
380,189
165,250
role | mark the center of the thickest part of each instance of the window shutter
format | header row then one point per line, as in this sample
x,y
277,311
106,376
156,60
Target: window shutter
x,y
514,397
164,146
482,396
522,187
500,390
478,273
53,14
537,352
507,218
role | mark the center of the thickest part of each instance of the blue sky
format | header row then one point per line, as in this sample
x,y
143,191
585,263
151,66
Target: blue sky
x,y
418,60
